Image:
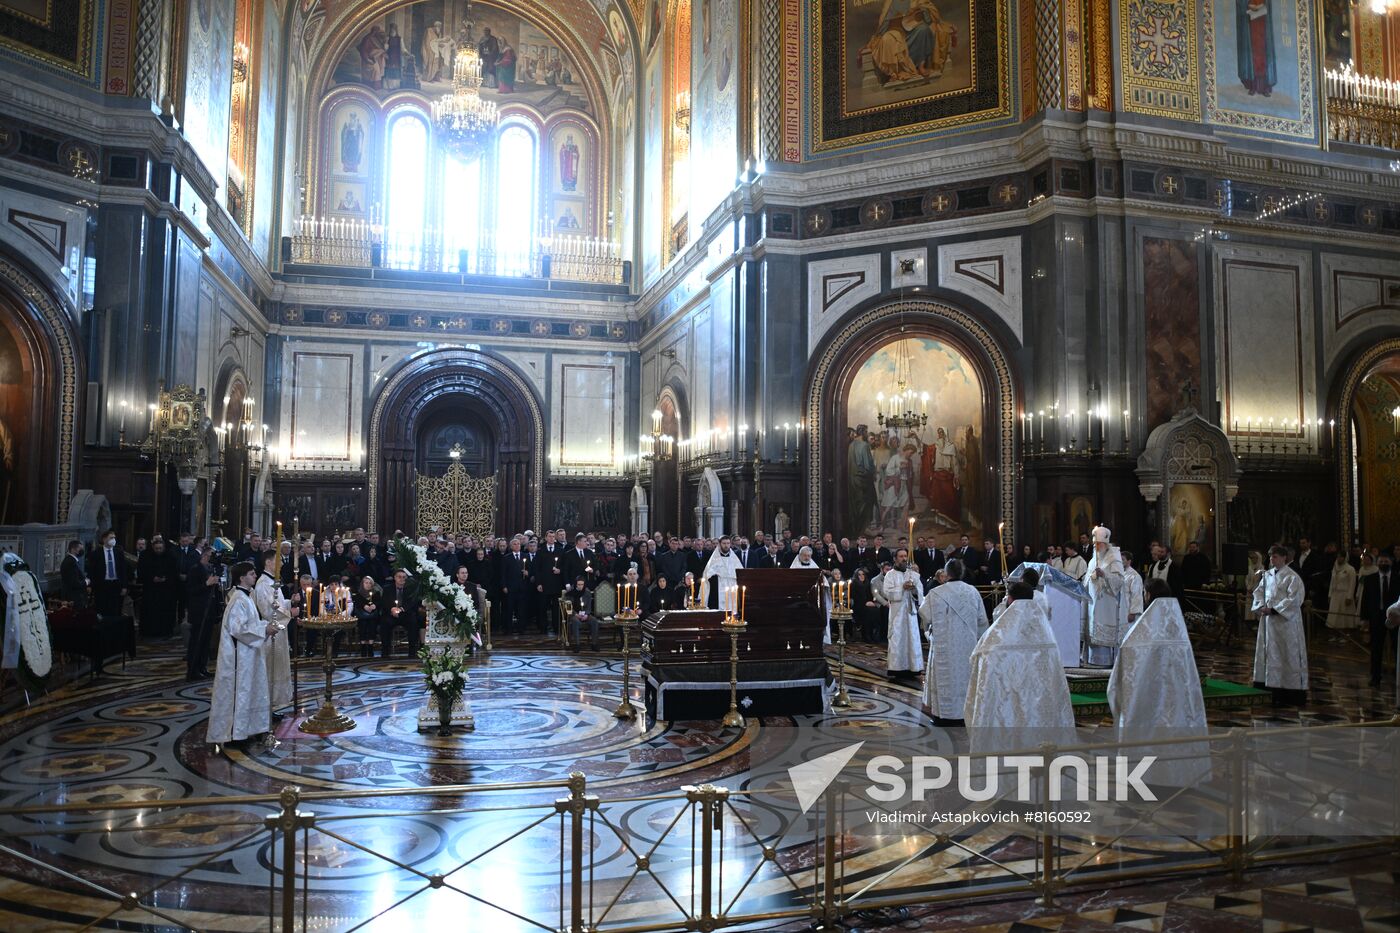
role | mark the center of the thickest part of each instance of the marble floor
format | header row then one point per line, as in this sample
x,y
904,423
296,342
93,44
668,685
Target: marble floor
x,y
492,858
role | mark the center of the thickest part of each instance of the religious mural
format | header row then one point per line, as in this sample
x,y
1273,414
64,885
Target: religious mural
x,y
413,48
1191,511
16,404
651,168
1172,325
1258,75
934,475
1378,456
897,67
713,137
209,83
1337,33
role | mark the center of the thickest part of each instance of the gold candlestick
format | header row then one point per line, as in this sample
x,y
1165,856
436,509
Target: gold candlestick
x,y
735,627
328,720
625,710
842,615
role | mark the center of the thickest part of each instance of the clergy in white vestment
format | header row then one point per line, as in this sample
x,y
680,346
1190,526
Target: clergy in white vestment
x,y
238,707
954,617
1108,609
905,591
1281,648
1155,692
1071,563
1017,695
804,561
275,608
722,567
1133,586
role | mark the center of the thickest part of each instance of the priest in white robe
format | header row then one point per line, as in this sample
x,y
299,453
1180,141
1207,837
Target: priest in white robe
x,y
905,591
722,568
1281,648
1133,586
1108,605
1155,692
804,561
954,617
238,707
1017,695
275,608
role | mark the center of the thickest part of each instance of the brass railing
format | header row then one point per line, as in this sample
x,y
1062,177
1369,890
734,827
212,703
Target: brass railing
x,y
622,864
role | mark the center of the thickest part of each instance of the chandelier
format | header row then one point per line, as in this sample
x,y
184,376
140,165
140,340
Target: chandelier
x,y
463,120
896,411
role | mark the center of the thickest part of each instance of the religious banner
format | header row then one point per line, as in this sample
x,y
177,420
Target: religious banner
x,y
1258,71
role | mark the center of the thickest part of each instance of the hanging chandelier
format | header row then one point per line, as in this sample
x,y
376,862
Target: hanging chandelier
x,y
896,411
465,123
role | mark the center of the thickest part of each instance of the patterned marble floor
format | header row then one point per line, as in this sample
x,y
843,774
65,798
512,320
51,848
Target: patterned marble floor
x,y
137,735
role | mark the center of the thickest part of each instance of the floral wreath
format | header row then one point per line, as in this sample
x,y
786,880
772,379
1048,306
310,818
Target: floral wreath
x,y
436,587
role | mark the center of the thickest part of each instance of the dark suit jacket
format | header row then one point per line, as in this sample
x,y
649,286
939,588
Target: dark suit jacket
x,y
574,566
72,581
97,565
514,574
1375,598
671,565
407,600
659,600
323,572
929,561
971,558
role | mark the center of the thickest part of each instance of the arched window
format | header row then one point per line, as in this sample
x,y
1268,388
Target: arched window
x,y
516,174
406,189
461,213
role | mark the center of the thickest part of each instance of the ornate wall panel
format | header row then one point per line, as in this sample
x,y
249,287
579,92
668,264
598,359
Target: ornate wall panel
x,y
322,404
1171,324
1264,321
1359,294
1159,58
835,286
57,35
989,271
871,82
586,411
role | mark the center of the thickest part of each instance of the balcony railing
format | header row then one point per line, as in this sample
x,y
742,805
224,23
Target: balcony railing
x,y
1363,110
335,242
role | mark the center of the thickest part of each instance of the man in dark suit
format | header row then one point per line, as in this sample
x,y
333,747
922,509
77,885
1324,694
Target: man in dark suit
x,y
310,564
550,575
580,561
760,557
73,580
972,561
1379,591
928,557
1310,564
405,609
1164,568
513,578
696,558
671,563
990,571
535,573
882,553
110,575
1196,569
201,597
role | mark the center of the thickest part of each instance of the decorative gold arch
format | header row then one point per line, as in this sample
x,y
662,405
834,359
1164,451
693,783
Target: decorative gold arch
x,y
444,360
938,316
354,21
60,333
1351,381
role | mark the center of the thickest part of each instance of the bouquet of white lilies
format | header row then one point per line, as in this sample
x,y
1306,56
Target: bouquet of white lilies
x,y
434,586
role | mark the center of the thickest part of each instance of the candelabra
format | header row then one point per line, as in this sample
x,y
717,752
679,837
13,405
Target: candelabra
x,y
336,619
625,710
657,447
841,612
735,625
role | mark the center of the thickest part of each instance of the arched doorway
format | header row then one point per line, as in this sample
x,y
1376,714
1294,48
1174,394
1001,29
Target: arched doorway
x,y
952,475
39,403
1368,454
451,393
666,510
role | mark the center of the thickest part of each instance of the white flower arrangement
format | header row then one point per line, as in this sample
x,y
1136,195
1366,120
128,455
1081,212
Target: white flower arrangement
x,y
435,587
445,673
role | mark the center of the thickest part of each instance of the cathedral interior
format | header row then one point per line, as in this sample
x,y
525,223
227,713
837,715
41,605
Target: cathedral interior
x,y
984,280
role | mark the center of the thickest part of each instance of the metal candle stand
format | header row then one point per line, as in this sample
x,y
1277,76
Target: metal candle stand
x,y
626,620
735,626
842,616
328,720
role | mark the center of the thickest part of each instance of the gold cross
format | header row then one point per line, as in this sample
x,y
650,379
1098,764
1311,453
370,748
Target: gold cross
x,y
419,320
1368,215
78,160
876,212
1270,204
940,203
816,222
1320,210
1169,184
1219,197
1008,193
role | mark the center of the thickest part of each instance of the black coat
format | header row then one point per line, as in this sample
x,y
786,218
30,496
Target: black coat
x,y
672,565
514,574
72,581
573,565
929,560
661,600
